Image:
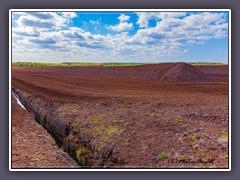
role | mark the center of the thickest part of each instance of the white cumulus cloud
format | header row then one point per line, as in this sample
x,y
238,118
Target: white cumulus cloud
x,y
123,18
123,25
49,36
144,17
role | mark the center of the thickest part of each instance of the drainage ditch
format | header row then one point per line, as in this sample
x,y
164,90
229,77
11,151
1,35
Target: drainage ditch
x,y
58,141
76,143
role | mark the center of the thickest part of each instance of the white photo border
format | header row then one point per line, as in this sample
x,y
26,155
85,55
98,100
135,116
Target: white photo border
x,y
119,10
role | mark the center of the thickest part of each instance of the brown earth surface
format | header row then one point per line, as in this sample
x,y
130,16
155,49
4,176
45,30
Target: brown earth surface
x,y
32,145
132,116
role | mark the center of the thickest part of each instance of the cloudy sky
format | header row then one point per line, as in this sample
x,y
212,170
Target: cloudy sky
x,y
120,36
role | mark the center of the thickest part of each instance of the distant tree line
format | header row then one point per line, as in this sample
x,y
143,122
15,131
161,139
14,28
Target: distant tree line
x,y
205,63
73,64
121,64
29,64
98,64
54,64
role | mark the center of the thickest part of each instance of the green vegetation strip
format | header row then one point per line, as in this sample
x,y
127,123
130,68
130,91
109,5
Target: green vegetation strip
x,y
100,64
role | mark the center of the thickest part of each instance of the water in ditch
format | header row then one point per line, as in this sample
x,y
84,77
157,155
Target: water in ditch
x,y
18,101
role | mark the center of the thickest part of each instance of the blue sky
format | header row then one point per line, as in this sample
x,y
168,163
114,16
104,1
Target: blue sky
x,y
120,36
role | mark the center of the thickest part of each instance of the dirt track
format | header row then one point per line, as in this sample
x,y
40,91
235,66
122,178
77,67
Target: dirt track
x,y
107,119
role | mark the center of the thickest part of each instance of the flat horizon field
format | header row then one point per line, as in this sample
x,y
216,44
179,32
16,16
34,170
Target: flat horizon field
x,y
167,115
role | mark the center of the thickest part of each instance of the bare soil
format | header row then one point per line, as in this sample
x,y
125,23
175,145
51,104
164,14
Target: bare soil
x,y
132,116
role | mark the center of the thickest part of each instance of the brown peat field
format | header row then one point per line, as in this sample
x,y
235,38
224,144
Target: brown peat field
x,y
169,115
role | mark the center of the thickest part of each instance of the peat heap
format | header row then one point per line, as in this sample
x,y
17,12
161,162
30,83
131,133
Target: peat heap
x,y
183,72
171,72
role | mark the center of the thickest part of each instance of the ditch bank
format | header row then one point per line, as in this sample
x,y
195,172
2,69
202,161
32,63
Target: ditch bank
x,y
89,148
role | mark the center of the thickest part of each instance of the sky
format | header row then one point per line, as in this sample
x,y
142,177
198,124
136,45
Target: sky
x,y
120,37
